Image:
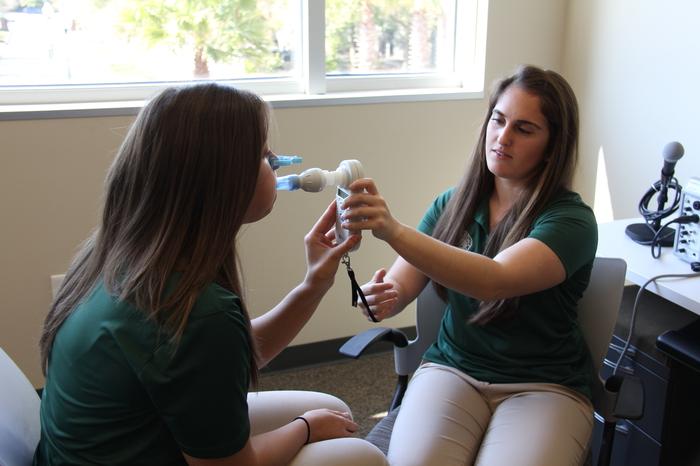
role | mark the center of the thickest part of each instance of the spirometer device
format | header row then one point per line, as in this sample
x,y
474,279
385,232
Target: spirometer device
x,y
316,179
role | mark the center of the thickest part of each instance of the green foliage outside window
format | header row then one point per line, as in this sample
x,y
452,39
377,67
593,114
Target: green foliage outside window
x,y
218,30
241,35
377,34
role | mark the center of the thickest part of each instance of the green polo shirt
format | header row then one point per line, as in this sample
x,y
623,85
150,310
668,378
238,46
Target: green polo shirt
x,y
118,392
543,342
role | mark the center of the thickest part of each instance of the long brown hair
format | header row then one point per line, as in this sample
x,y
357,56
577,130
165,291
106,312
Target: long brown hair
x,y
559,107
175,198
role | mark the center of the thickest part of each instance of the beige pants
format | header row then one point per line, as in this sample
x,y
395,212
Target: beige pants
x,y
449,418
273,409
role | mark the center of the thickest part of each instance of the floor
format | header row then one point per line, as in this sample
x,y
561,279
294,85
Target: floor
x,y
366,384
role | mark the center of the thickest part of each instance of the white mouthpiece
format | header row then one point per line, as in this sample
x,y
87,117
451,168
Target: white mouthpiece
x,y
312,180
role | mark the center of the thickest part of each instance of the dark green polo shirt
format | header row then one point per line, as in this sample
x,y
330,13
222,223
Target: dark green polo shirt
x,y
543,342
117,391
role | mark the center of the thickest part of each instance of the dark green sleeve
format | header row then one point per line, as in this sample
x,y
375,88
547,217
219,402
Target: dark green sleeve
x,y
201,389
568,227
431,216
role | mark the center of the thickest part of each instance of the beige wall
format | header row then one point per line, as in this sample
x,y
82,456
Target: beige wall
x,y
51,174
634,65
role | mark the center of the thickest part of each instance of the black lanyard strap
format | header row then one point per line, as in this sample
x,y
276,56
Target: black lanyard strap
x,y
356,290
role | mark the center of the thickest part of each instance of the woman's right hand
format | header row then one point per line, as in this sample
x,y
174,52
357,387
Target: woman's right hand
x,y
381,296
322,254
327,424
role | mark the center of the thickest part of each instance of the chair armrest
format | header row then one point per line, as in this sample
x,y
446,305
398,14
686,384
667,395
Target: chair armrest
x,y
630,398
626,395
357,345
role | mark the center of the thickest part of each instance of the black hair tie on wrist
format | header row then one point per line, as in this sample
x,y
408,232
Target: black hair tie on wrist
x,y
308,428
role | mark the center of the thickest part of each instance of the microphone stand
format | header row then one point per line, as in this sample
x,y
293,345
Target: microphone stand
x,y
644,233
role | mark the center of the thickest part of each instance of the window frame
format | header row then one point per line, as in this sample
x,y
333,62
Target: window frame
x,y
308,85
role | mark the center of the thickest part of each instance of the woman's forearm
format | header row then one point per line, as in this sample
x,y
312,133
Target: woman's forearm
x,y
468,273
279,446
275,448
523,268
274,330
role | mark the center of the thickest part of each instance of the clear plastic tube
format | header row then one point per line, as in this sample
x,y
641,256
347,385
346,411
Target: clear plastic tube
x,y
288,183
285,161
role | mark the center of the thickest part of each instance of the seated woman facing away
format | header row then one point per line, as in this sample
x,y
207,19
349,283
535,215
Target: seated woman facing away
x,y
148,349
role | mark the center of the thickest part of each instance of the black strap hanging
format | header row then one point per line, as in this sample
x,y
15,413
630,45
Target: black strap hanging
x,y
356,290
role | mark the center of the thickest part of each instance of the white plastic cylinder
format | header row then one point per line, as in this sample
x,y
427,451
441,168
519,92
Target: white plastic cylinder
x,y
315,179
351,170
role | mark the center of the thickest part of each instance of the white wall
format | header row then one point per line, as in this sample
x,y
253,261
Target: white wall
x,y
634,65
51,174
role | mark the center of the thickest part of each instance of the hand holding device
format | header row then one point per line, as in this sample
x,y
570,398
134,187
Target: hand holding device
x,y
341,234
316,179
322,257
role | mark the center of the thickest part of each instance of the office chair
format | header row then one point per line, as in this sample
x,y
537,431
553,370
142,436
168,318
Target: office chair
x,y
19,415
618,397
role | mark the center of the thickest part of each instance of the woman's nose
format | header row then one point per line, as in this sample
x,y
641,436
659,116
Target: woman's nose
x,y
505,136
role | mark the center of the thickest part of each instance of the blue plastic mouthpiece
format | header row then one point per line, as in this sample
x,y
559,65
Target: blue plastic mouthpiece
x,y
288,183
285,160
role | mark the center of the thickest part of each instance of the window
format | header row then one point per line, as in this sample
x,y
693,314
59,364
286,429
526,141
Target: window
x,y
54,51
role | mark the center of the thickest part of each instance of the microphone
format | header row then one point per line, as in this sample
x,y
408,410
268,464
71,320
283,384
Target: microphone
x,y
652,232
672,152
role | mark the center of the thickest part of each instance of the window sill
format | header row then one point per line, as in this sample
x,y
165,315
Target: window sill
x,y
130,108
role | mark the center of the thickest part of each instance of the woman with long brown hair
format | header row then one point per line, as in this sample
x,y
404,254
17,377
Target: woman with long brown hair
x,y
148,348
511,250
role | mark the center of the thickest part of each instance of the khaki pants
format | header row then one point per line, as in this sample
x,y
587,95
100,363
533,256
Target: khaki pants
x,y
449,418
273,409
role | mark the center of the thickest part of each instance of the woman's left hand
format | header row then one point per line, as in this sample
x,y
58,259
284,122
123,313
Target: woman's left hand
x,y
322,255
